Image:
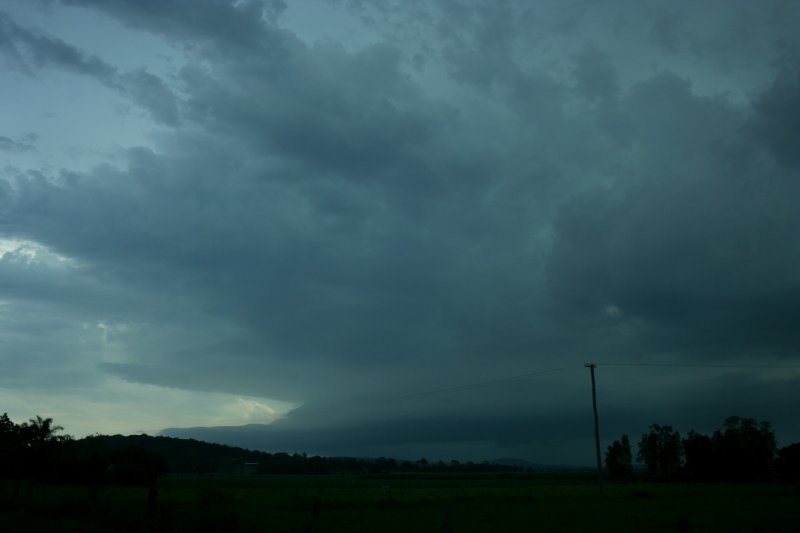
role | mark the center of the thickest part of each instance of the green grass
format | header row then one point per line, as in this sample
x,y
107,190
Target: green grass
x,y
416,503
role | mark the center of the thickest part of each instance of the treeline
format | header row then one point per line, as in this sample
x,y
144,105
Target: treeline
x,y
190,456
743,450
28,449
36,450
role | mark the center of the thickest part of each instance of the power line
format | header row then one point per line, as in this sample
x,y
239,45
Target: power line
x,y
383,398
487,382
690,365
372,399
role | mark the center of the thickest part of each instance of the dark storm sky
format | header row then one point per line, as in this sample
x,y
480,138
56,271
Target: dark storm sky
x,y
317,213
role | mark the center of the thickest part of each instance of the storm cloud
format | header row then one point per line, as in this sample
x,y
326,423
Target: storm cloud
x,y
339,208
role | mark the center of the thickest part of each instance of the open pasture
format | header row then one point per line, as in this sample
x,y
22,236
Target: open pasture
x,y
399,503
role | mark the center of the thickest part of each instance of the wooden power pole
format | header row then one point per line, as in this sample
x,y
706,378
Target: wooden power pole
x,y
591,367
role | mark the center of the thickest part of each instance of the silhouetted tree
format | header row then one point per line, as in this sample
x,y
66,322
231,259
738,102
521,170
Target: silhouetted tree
x,y
700,460
6,426
10,447
28,449
787,466
39,433
744,449
660,450
619,459
39,438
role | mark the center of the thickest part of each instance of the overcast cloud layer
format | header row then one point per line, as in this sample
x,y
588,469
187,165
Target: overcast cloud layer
x,y
334,213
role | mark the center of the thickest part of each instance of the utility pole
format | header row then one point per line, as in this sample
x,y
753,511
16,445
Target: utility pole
x,y
591,367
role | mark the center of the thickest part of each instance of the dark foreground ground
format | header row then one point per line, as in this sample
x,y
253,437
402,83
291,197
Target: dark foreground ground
x,y
401,503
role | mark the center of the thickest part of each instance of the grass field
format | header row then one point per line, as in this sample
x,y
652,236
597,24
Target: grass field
x,y
400,503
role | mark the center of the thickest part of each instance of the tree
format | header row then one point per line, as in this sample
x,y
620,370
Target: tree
x,y
27,449
701,462
787,467
744,449
39,433
619,459
9,446
7,427
660,450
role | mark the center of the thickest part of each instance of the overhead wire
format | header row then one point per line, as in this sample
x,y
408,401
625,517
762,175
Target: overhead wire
x,y
486,382
702,365
384,398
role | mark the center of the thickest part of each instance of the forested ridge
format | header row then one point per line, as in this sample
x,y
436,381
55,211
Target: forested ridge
x,y
742,450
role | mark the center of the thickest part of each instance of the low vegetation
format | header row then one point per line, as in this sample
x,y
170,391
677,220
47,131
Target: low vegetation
x,y
50,481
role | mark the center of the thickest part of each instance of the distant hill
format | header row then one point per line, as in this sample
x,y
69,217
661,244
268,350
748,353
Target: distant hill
x,y
195,456
185,455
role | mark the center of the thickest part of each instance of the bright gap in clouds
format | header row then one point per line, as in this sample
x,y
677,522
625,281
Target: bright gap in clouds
x,y
30,251
117,406
111,405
